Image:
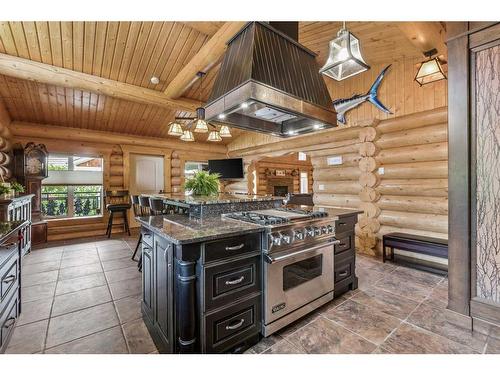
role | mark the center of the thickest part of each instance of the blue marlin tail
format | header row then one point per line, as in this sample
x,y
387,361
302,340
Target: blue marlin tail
x,y
343,105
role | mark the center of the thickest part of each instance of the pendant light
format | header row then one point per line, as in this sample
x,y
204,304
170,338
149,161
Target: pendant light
x,y
224,131
200,125
344,57
214,136
187,136
430,70
175,129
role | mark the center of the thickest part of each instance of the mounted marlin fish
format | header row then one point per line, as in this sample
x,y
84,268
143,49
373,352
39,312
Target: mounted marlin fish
x,y
343,105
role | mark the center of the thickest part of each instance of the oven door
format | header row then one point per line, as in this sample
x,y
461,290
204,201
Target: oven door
x,y
294,279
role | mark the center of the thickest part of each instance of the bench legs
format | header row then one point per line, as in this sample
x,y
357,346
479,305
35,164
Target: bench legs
x,y
386,256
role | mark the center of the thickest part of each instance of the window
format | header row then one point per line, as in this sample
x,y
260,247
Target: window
x,y
73,188
190,167
302,156
303,183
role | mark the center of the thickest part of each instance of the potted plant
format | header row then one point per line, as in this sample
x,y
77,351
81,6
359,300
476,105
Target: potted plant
x,y
17,187
203,183
4,191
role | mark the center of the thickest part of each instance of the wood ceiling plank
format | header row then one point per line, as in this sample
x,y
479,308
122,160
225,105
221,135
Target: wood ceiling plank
x,y
177,29
32,41
78,43
119,49
99,47
124,55
88,49
109,48
42,29
147,50
425,36
207,28
138,51
67,44
20,39
7,38
56,43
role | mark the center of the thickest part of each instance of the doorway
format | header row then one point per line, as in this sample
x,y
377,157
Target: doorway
x,y
146,174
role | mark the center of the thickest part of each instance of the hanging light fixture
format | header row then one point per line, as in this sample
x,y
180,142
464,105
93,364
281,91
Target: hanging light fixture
x,y
214,136
344,57
175,129
187,136
224,131
200,125
430,70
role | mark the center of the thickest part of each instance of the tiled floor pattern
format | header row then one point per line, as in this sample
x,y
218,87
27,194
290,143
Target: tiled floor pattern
x,y
81,298
394,310
85,298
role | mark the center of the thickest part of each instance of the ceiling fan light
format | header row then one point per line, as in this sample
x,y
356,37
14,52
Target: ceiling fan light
x,y
187,136
214,136
200,126
344,58
430,71
224,131
175,129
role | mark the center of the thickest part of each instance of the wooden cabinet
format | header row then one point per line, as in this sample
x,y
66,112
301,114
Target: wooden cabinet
x,y
19,209
147,280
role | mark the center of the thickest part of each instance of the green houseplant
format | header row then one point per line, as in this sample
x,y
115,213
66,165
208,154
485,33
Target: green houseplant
x,y
17,187
203,183
4,191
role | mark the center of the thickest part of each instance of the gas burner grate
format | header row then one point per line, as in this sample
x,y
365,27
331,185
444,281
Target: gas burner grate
x,y
253,217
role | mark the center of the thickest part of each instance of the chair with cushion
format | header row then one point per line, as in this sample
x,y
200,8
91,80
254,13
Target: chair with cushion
x,y
117,203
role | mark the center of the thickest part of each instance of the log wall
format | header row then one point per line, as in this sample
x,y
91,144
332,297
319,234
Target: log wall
x,y
5,143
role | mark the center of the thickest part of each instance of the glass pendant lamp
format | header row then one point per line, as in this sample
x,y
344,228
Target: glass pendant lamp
x,y
344,57
224,131
430,70
187,136
175,129
214,136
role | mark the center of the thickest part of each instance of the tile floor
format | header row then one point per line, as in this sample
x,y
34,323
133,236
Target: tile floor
x,y
81,298
85,298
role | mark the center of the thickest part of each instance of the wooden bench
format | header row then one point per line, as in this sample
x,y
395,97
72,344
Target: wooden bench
x,y
436,247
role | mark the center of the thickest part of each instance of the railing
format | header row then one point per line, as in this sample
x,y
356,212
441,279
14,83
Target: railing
x,y
64,204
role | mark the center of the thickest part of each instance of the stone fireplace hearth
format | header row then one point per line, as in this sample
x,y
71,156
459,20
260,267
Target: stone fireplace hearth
x,y
279,186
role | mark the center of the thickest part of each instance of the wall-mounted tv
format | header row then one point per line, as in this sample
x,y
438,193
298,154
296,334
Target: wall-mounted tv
x,y
227,168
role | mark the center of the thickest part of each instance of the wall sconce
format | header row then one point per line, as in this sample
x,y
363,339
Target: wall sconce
x,y
430,70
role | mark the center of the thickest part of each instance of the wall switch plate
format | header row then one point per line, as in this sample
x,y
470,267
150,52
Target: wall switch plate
x,y
321,187
381,170
334,160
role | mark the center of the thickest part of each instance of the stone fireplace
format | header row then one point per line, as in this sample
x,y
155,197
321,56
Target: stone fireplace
x,y
279,186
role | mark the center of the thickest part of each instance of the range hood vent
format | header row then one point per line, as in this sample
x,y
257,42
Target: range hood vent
x,y
270,83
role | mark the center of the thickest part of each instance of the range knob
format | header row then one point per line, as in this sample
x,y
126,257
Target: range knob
x,y
330,228
276,239
324,229
309,232
317,231
286,239
298,234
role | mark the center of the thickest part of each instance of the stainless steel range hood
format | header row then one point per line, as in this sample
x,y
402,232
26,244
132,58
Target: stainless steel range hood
x,y
270,83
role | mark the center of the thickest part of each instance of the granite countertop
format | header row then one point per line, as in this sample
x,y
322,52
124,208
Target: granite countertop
x,y
181,229
216,199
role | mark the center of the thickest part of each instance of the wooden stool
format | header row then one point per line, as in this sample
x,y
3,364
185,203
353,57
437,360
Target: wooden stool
x,y
117,203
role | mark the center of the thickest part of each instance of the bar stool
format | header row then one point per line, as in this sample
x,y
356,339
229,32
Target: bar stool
x,y
134,199
116,202
156,206
144,205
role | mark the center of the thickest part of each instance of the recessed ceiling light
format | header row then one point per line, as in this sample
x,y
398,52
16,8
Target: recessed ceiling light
x,y
317,126
222,116
155,80
244,105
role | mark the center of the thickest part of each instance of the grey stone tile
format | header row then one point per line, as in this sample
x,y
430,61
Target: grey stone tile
x,y
79,246
331,305
80,253
80,323
109,341
36,292
284,347
40,278
123,274
40,267
439,295
397,284
492,346
367,278
129,308
80,283
46,251
266,343
138,338
36,257
424,278
299,323
117,264
70,302
108,243
34,311
373,264
386,302
28,339
380,350
78,271
79,261
433,319
408,339
367,322
323,336
126,288
119,253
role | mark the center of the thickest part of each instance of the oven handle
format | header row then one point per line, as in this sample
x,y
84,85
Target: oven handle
x,y
270,259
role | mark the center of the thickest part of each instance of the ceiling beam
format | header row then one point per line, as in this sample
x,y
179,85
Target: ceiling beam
x,y
44,73
207,28
425,35
33,130
206,57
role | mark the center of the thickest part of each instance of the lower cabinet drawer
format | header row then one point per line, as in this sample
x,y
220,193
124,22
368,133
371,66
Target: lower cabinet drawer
x,y
227,282
228,327
147,237
346,243
8,276
8,318
231,246
344,270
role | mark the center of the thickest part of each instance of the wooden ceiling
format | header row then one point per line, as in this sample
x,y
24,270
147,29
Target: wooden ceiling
x,y
132,52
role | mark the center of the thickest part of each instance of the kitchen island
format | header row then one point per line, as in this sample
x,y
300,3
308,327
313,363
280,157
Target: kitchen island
x,y
203,281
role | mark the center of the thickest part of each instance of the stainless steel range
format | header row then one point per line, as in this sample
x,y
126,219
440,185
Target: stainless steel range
x,y
298,262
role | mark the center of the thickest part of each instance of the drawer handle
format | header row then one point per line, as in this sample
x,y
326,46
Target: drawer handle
x,y
341,223
235,326
342,244
235,281
9,279
237,247
9,322
343,273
